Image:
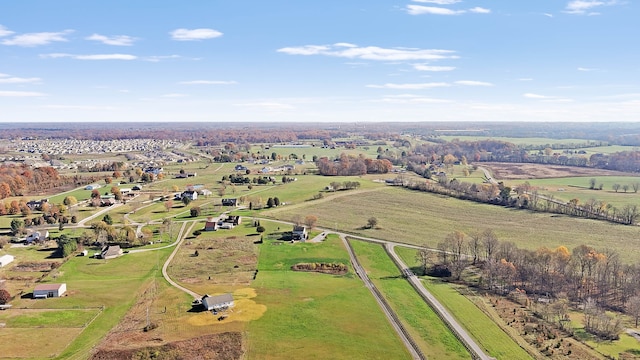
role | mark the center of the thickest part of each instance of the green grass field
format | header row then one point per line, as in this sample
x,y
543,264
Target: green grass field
x,y
520,141
424,325
426,219
316,316
578,188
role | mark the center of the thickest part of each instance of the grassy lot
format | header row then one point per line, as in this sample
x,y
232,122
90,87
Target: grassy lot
x,y
111,285
627,344
316,316
424,325
578,188
426,219
521,141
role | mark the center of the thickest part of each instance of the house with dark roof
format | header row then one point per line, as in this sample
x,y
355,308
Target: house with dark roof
x,y
299,233
229,202
43,291
111,252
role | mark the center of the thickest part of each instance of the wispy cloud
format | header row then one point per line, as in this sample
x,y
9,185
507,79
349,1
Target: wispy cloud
x,y
7,79
411,99
412,86
36,39
90,57
434,10
158,58
370,52
78,107
480,10
268,106
117,40
422,67
546,98
525,79
20,94
473,83
194,34
587,69
174,95
207,82
4,31
584,7
439,2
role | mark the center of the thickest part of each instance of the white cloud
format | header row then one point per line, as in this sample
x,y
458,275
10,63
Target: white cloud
x,y
343,44
268,106
439,2
158,58
420,10
525,79
548,15
421,67
586,69
411,99
546,98
174,95
583,7
480,10
118,40
414,86
6,79
536,96
473,83
35,39
207,82
4,31
78,107
20,94
194,34
370,53
91,57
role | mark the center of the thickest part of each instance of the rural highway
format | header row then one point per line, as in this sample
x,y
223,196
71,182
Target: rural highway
x,y
445,315
413,348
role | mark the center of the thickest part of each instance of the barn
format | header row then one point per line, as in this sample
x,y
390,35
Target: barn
x,y
217,303
43,291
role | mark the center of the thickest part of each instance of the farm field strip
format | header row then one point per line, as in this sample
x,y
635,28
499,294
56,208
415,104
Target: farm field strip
x,y
424,325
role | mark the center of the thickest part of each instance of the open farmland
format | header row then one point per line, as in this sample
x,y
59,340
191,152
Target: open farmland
x,y
316,316
426,219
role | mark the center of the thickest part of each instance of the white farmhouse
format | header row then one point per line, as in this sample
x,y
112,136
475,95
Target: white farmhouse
x,y
43,291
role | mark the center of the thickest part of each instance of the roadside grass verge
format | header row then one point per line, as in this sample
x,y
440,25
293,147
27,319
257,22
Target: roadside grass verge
x,y
425,326
316,316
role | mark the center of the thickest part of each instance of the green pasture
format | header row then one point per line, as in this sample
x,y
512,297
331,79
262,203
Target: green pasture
x,y
532,141
421,218
316,316
64,318
569,188
307,153
609,149
427,329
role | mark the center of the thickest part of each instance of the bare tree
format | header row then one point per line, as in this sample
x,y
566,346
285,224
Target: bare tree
x,y
490,243
475,245
633,308
425,257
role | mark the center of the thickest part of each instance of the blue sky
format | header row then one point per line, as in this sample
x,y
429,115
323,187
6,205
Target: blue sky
x,y
319,61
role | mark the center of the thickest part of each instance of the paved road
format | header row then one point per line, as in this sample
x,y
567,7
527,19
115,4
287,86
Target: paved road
x,y
415,351
476,351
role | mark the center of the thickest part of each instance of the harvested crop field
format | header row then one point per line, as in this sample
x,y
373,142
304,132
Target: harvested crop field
x,y
517,171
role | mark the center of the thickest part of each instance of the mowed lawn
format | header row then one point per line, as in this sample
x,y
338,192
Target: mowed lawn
x,y
426,328
105,287
426,219
313,315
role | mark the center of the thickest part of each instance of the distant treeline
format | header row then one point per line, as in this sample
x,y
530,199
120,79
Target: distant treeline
x,y
16,180
352,166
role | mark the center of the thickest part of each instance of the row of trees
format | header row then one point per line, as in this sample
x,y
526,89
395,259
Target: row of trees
x,y
353,165
16,180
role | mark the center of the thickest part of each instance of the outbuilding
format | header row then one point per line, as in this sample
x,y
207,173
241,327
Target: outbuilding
x,y
43,291
6,259
217,303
